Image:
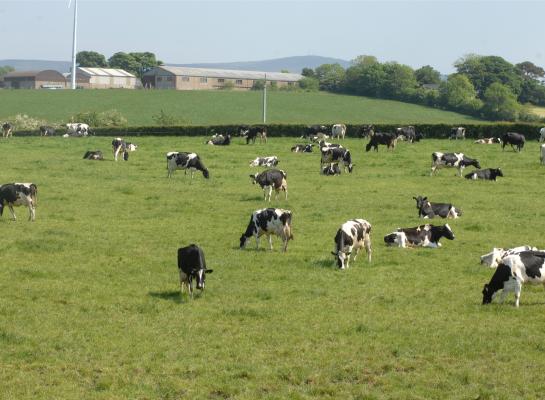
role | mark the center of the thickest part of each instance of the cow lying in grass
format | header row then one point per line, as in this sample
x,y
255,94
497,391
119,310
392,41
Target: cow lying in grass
x,y
427,209
93,155
423,235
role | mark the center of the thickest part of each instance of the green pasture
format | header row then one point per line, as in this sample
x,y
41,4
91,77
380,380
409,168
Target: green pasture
x,y
90,305
219,107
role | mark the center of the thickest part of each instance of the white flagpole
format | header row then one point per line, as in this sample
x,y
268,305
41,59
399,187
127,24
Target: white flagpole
x,y
74,42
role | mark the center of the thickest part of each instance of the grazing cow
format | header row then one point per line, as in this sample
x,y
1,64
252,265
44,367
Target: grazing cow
x,y
268,221
271,161
338,131
77,129
253,132
514,139
302,148
183,160
19,194
427,209
7,130
386,138
490,140
367,131
93,155
542,154
220,140
457,133
493,258
119,145
423,235
458,160
542,134
408,133
352,236
335,155
331,169
192,265
513,271
271,179
47,130
489,174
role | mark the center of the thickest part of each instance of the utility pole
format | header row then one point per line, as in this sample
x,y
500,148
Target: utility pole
x,y
74,43
265,101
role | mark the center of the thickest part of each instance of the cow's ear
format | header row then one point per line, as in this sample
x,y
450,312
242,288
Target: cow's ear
x,y
208,271
252,176
415,198
425,198
334,253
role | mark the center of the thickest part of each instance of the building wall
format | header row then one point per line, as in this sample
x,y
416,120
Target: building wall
x,y
111,82
205,83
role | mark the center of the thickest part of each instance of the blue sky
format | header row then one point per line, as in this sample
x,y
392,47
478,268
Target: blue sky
x,y
410,32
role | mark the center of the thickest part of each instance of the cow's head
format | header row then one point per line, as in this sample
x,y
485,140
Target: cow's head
x,y
498,172
476,164
243,239
447,232
488,294
491,259
200,276
341,257
253,178
420,201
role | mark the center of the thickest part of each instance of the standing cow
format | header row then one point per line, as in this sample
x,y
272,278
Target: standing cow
x,y
336,155
338,131
19,194
269,221
516,140
542,134
452,160
7,130
119,145
183,160
192,266
387,138
352,236
542,154
271,179
457,133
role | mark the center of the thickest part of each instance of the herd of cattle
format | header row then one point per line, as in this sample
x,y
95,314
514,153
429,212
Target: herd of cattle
x,y
513,266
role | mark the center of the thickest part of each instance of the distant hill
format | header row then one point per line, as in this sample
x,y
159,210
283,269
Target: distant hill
x,y
292,64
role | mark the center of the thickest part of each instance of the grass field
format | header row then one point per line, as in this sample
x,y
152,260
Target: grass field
x,y
219,107
90,305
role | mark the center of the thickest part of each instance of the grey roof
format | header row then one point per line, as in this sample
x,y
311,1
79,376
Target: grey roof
x,y
105,72
227,73
20,74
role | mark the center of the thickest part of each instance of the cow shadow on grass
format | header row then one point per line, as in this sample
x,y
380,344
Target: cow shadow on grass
x,y
172,295
251,198
328,263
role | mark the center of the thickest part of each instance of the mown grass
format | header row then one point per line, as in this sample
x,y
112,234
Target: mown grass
x,y
90,306
220,107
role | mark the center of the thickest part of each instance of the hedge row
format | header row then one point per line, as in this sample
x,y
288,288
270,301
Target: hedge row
x,y
531,131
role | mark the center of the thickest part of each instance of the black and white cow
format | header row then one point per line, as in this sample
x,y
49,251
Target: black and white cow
x,y
7,130
302,148
271,161
489,174
331,169
512,272
192,265
269,221
422,235
457,133
93,155
323,143
47,130
387,138
458,160
542,154
77,129
338,131
255,132
542,134
352,236
186,161
19,194
516,140
493,258
271,179
490,140
119,145
336,155
407,133
427,209
367,131
220,140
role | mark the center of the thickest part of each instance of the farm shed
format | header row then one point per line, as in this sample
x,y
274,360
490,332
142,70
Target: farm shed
x,y
186,78
46,79
104,78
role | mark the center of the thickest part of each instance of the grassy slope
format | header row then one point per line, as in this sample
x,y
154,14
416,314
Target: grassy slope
x,y
207,107
90,305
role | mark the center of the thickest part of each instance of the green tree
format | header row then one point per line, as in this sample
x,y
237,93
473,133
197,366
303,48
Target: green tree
x,y
364,60
309,72
529,70
427,75
458,93
135,63
365,79
330,76
500,103
258,84
399,80
310,84
5,69
91,59
146,61
483,71
532,92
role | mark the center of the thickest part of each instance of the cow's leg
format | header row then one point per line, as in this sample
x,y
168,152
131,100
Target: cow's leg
x,y
257,241
12,211
367,244
270,241
518,288
433,169
183,278
269,193
31,212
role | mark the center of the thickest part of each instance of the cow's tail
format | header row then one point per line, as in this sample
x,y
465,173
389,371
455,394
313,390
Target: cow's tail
x,y
34,194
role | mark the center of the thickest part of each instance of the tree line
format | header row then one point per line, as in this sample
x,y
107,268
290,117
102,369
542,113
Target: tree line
x,y
485,86
135,63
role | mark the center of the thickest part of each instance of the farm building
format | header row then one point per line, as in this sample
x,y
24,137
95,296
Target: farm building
x,y
186,78
46,79
104,78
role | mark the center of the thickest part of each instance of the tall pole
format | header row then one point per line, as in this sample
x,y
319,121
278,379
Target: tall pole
x,y
74,44
265,101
